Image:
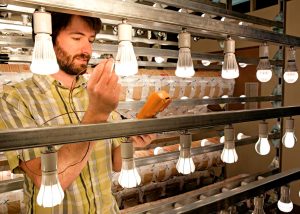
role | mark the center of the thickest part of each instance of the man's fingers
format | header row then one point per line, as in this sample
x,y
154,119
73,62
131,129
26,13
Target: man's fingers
x,y
97,72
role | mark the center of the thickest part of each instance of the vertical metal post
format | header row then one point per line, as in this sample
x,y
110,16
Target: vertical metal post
x,y
252,5
283,10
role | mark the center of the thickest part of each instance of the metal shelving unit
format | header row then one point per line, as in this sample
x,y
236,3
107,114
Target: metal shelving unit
x,y
146,17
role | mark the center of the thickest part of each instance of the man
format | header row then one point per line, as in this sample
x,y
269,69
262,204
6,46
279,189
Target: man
x,y
65,98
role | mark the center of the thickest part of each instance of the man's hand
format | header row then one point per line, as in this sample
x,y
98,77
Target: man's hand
x,y
143,140
103,90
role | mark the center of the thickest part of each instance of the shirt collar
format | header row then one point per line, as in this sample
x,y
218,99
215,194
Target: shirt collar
x,y
44,82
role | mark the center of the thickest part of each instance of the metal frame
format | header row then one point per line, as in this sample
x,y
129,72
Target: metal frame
x,y
134,12
200,6
37,137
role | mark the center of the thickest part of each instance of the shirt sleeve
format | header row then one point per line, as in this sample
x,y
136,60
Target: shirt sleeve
x,y
15,114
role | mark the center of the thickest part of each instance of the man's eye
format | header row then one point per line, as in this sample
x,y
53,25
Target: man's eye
x,y
76,39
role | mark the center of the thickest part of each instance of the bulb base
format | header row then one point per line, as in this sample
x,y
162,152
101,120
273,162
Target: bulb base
x,y
42,22
184,40
124,32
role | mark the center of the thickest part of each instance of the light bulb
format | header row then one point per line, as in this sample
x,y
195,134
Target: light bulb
x,y
159,59
230,69
185,163
44,60
50,193
222,105
262,146
242,96
264,72
241,136
285,204
205,62
258,205
185,67
289,139
129,176
243,65
229,154
222,139
291,71
205,97
158,150
126,63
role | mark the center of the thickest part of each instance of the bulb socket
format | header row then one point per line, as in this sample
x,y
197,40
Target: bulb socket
x,y
127,150
185,153
264,51
184,40
128,164
229,133
42,22
229,46
285,194
49,161
124,31
259,202
263,130
185,141
289,124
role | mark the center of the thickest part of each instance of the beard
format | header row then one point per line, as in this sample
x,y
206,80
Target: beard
x,y
67,63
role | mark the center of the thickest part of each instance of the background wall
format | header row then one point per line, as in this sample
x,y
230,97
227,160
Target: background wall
x,y
249,161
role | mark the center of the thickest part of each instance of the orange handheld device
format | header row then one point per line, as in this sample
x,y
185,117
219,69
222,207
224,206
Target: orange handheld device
x,y
156,102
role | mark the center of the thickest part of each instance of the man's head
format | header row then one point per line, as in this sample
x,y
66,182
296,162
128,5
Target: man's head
x,y
72,37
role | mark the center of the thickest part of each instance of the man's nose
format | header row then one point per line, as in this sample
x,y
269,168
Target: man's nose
x,y
86,47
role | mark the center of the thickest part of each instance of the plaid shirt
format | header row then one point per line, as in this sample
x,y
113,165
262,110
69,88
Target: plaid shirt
x,y
42,101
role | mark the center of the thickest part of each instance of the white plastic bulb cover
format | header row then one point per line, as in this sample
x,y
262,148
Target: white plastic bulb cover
x,y
185,165
229,155
50,193
290,76
222,139
243,65
129,176
285,207
262,146
243,96
264,75
289,139
205,62
185,67
44,60
158,150
159,59
126,62
230,68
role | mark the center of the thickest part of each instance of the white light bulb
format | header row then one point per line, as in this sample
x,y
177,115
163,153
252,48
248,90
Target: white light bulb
x,y
290,76
44,60
185,163
159,59
285,204
205,97
291,71
262,146
289,139
185,67
230,69
243,65
241,136
242,96
222,139
222,105
223,19
263,75
205,62
158,150
264,72
129,176
50,193
126,63
229,154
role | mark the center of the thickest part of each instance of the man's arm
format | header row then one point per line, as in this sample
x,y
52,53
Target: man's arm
x,y
103,90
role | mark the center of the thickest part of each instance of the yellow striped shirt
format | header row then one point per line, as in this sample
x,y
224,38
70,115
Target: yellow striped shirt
x,y
42,101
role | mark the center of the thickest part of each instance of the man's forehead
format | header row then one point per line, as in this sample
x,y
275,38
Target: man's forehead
x,y
78,24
